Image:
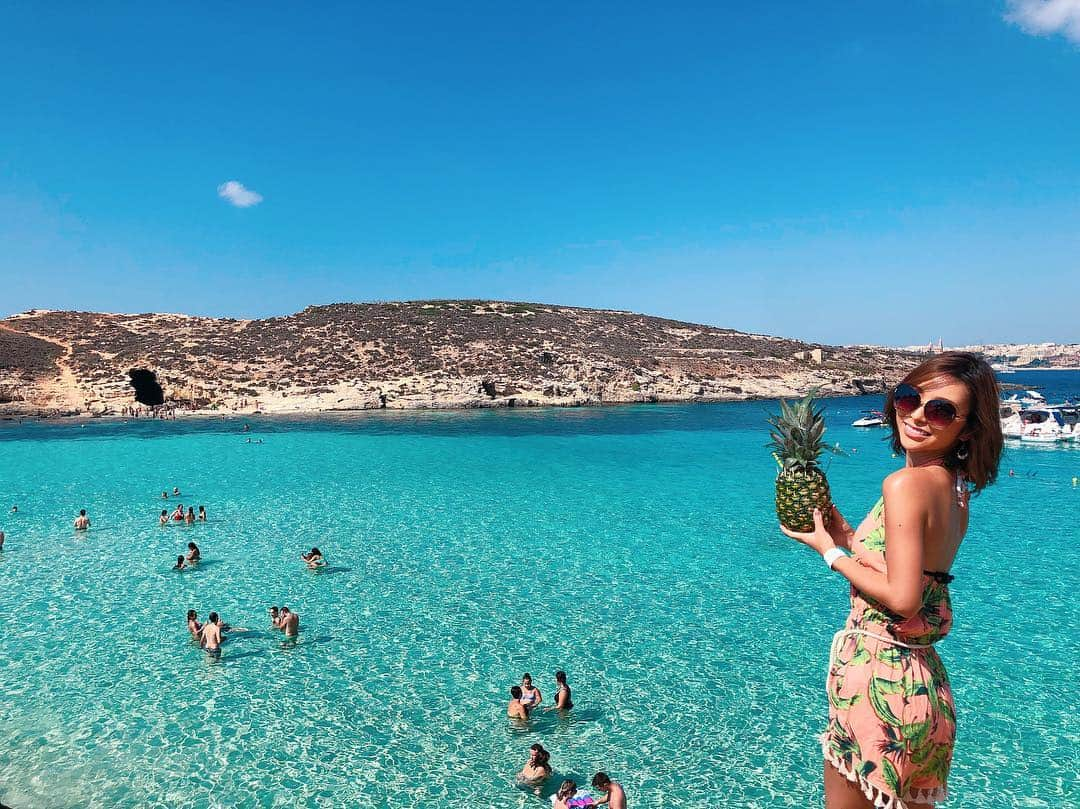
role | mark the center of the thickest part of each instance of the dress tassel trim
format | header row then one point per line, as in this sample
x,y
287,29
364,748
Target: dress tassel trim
x,y
875,794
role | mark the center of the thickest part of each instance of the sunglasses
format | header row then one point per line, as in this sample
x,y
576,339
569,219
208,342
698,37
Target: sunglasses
x,y
939,413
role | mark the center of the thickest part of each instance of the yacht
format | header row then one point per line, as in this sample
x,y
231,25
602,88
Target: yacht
x,y
1043,425
1011,423
1030,398
870,418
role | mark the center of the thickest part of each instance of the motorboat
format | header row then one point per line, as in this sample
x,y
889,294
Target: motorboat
x,y
870,418
1011,423
1043,425
1030,398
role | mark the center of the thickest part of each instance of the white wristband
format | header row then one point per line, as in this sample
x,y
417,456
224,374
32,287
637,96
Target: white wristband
x,y
831,555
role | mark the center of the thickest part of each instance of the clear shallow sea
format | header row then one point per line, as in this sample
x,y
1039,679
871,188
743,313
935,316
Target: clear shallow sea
x,y
634,547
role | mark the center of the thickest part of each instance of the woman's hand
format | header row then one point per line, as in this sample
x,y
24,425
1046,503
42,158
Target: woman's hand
x,y
840,529
820,539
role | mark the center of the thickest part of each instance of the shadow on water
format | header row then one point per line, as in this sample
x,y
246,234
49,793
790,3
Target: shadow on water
x,y
327,571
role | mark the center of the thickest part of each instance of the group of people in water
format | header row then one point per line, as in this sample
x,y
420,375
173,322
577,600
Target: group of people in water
x,y
526,698
212,634
190,560
538,769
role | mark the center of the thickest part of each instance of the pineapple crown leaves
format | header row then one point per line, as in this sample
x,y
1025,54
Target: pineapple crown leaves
x,y
797,437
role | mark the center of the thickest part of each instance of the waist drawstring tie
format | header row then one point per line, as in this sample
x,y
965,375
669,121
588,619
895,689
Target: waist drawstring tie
x,y
838,639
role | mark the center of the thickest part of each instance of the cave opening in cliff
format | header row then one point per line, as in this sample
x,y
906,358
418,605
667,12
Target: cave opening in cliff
x,y
147,389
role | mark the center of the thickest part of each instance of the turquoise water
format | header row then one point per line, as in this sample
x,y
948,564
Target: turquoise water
x,y
633,547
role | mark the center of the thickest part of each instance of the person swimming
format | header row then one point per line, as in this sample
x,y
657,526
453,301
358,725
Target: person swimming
x,y
515,709
164,518
179,563
530,695
193,554
176,491
202,513
193,625
537,769
82,522
190,518
164,495
314,558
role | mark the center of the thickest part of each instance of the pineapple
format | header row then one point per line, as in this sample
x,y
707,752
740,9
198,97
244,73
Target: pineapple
x,y
797,446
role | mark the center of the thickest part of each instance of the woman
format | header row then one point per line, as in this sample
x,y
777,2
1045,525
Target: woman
x,y
892,723
190,518
202,513
314,559
193,554
568,797
562,693
163,520
178,514
537,769
193,625
179,563
530,694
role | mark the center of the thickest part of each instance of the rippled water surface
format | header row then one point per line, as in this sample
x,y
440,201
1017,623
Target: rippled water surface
x,y
633,547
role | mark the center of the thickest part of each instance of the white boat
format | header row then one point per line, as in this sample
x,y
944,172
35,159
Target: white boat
x,y
1043,425
1030,398
1011,423
873,418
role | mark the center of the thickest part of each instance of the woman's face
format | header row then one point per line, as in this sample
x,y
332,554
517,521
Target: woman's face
x,y
532,756
526,682
918,435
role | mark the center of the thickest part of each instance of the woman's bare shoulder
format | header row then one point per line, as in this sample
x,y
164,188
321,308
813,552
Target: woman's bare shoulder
x,y
916,482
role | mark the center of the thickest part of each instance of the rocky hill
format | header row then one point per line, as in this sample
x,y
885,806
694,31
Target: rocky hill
x,y
424,354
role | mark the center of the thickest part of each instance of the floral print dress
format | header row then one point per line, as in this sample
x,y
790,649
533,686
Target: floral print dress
x,y
892,721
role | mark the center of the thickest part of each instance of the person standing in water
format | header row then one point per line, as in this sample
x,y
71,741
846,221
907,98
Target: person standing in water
x,y
562,694
179,563
163,520
289,622
211,636
313,559
515,709
887,746
82,522
537,769
530,695
193,625
614,796
193,554
202,513
1,540
190,518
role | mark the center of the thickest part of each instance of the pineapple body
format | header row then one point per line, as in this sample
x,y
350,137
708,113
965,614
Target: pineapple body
x,y
797,495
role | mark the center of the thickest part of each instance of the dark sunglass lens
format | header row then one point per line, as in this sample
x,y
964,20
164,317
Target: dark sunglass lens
x,y
906,398
940,413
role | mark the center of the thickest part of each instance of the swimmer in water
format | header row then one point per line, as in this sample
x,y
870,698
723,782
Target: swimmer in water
x,y
193,555
179,563
568,797
530,695
562,694
314,558
190,518
614,796
176,491
211,637
82,522
274,617
193,625
14,509
537,769
514,708
164,495
163,520
178,515
202,513
289,622
1,540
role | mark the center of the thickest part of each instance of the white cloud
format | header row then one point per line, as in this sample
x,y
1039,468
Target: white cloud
x,y
1047,17
234,193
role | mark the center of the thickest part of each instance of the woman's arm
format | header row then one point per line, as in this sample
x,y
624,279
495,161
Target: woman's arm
x,y
900,589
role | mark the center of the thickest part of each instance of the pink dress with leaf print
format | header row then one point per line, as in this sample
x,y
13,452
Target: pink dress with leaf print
x,y
892,722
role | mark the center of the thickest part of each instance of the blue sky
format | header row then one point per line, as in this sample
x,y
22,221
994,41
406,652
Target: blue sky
x,y
843,172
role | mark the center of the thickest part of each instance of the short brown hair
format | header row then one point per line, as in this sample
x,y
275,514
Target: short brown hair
x,y
983,419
